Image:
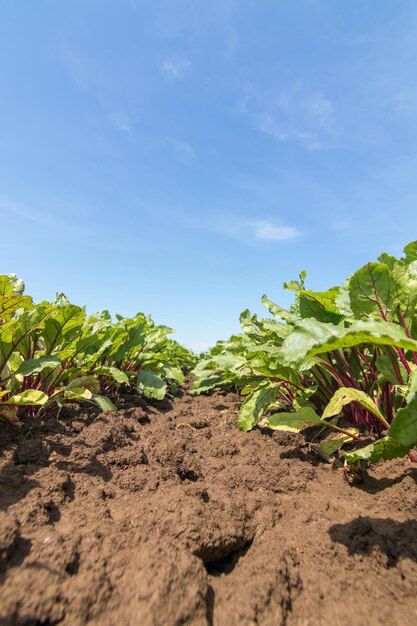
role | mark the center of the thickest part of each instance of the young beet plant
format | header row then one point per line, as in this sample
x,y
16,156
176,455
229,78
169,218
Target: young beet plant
x,y
344,359
137,353
39,345
51,353
14,390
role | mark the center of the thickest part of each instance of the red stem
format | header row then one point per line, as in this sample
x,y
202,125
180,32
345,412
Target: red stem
x,y
407,332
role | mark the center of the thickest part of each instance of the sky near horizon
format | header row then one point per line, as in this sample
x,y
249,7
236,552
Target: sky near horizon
x,y
184,157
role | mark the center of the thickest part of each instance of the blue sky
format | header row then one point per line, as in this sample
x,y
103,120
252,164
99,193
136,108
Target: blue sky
x,y
184,157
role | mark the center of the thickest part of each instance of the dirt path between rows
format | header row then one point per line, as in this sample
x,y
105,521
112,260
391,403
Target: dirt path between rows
x,y
168,515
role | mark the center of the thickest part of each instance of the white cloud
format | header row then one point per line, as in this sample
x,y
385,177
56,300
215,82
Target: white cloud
x,y
320,109
291,114
247,231
269,125
272,232
175,68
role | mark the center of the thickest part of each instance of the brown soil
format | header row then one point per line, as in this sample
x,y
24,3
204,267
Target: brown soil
x,y
168,515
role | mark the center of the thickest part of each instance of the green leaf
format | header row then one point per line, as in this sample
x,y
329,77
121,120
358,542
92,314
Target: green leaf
x,y
77,393
406,277
384,365
295,285
207,383
8,284
373,291
294,422
34,366
346,395
61,300
335,441
410,251
274,329
226,363
312,337
113,372
292,285
174,373
29,397
412,387
85,382
256,404
14,333
62,325
404,425
105,404
343,301
247,323
271,367
275,309
17,284
388,260
151,385
129,337
382,450
320,304
10,304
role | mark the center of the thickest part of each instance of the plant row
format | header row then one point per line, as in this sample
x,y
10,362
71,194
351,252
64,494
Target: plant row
x,y
344,359
53,352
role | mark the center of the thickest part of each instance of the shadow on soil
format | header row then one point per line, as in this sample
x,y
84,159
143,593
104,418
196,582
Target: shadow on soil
x,y
301,455
227,563
363,534
375,485
14,555
210,599
13,476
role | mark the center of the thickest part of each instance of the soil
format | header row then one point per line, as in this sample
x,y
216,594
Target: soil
x,y
166,515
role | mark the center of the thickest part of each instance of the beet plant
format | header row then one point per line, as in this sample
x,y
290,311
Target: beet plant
x,y
344,359
52,352
137,353
18,321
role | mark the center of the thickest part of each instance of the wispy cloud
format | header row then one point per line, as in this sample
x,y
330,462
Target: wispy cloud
x,y
184,150
245,230
120,121
77,65
270,125
342,224
95,79
175,68
99,237
291,114
22,210
271,232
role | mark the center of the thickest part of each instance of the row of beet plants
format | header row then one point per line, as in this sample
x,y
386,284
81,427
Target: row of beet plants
x,y
53,352
344,359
